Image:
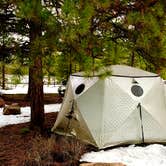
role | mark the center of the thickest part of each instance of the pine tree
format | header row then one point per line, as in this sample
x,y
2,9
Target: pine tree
x,y
99,33
8,45
42,24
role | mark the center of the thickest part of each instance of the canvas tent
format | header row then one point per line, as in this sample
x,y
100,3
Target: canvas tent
x,y
127,107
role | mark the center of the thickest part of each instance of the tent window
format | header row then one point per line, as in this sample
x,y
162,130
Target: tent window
x,y
137,90
80,89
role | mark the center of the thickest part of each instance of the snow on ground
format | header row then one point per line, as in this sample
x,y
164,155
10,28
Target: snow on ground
x,y
151,155
23,89
25,111
25,115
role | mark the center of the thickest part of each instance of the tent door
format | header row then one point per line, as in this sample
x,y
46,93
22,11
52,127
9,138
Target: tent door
x,y
141,120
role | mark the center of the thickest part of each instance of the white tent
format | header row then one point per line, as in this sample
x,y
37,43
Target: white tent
x,y
127,107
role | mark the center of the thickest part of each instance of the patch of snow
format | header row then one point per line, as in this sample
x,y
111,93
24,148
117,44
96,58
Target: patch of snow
x,y
25,115
151,155
15,119
23,89
25,111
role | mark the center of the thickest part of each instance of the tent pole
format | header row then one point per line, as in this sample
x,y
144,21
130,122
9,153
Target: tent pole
x,y
142,129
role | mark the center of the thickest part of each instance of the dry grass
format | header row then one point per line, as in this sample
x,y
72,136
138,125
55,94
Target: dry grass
x,y
56,151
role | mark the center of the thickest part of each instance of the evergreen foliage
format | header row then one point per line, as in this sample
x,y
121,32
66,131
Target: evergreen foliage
x,y
67,36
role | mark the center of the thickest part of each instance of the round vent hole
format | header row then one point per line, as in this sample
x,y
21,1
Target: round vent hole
x,y
137,90
80,89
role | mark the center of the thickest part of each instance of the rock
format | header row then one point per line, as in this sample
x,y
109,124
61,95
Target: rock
x,y
102,164
2,103
12,110
14,104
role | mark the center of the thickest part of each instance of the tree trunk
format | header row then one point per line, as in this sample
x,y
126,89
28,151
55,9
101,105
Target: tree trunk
x,y
48,79
36,78
29,94
37,101
70,64
3,75
132,61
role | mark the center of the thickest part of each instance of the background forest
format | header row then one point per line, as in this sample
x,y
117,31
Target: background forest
x,y
60,37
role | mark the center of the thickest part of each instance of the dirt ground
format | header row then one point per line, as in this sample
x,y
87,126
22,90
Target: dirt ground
x,y
14,144
15,141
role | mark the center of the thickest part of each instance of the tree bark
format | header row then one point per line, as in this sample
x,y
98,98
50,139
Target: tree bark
x,y
29,94
132,61
36,78
3,75
37,102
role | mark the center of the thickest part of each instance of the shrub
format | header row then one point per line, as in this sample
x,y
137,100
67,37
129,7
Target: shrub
x,y
68,149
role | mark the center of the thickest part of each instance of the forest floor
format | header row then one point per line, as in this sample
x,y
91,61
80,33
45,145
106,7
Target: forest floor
x,y
16,140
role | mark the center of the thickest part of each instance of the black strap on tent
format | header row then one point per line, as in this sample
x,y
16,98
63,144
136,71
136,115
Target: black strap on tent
x,y
116,75
69,116
142,129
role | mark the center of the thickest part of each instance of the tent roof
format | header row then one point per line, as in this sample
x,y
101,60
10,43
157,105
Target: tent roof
x,y
121,71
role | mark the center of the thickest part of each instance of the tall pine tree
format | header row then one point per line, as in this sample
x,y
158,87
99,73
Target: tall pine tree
x,y
42,24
